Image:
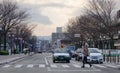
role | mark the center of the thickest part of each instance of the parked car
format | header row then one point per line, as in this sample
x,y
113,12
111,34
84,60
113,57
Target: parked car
x,y
61,54
71,51
78,54
95,55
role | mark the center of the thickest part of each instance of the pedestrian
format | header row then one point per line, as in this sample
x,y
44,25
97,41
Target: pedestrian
x,y
85,55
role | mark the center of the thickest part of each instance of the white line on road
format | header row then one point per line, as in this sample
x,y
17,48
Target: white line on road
x,y
74,70
77,66
6,66
53,66
41,65
86,65
30,66
100,66
18,66
111,66
46,62
65,66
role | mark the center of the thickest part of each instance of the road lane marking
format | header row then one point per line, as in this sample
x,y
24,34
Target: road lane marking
x,y
18,66
77,66
30,66
46,62
41,65
86,65
53,66
80,70
100,66
65,66
111,66
6,66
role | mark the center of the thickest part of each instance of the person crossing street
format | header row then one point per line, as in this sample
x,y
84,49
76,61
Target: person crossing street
x,y
85,55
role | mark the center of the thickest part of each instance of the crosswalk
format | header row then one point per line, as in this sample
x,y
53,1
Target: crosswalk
x,y
59,66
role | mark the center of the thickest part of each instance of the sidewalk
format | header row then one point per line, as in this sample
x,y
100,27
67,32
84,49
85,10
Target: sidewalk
x,y
4,59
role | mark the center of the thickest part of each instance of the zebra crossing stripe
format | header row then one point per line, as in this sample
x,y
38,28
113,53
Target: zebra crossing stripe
x,y
53,66
18,66
6,66
111,66
41,65
65,66
101,66
86,65
30,66
77,66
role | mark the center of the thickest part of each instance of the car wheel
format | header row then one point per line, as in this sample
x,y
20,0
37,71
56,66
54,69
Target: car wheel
x,y
101,62
53,61
68,61
76,58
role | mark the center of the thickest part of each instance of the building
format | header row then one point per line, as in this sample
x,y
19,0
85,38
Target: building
x,y
43,43
59,30
58,37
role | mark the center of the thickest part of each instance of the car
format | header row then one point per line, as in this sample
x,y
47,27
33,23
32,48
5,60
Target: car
x,y
96,56
78,54
61,54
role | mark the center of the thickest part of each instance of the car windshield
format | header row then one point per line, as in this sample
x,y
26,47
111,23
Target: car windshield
x,y
93,51
60,50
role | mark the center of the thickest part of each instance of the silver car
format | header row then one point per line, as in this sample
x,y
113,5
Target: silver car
x,y
95,55
61,54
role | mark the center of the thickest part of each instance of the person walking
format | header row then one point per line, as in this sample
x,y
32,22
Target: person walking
x,y
85,55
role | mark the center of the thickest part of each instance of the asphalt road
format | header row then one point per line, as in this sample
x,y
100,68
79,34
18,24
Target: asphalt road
x,y
42,63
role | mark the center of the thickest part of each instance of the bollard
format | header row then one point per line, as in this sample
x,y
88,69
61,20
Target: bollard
x,y
118,58
107,58
110,58
104,57
115,58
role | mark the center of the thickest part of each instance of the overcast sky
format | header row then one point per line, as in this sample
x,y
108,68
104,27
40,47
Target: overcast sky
x,y
49,14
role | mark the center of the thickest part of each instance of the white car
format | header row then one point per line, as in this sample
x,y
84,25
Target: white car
x,y
61,55
95,56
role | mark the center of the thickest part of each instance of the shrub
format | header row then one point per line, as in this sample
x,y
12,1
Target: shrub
x,y
4,52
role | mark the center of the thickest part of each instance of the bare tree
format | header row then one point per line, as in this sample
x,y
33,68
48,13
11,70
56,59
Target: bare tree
x,y
104,12
10,16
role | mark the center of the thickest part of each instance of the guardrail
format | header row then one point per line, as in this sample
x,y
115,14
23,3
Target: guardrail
x,y
112,58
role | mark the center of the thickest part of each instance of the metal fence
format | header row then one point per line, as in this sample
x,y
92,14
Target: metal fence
x,y
111,56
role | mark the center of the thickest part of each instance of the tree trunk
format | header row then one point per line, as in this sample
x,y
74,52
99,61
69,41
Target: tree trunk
x,y
4,41
112,42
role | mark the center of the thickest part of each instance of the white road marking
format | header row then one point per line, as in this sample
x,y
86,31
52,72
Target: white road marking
x,y
30,66
86,65
46,61
53,66
18,66
77,66
101,66
118,65
41,65
6,66
65,66
111,66
80,70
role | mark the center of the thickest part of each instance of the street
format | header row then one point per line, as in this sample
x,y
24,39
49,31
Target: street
x,y
42,63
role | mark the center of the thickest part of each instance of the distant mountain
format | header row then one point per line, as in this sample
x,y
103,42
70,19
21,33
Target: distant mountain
x,y
44,37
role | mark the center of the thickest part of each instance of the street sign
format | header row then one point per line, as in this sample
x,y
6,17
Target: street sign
x,y
76,35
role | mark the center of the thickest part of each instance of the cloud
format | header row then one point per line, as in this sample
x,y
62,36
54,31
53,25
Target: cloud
x,y
49,14
41,19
